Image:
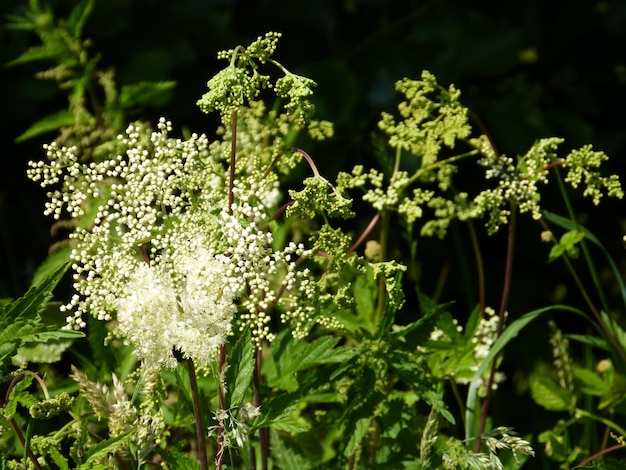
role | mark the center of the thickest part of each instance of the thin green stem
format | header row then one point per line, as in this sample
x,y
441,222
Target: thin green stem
x,y
439,163
607,422
263,432
583,244
197,412
365,233
594,310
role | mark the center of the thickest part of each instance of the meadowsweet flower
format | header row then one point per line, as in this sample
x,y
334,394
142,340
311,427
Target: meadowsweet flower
x,y
158,249
186,305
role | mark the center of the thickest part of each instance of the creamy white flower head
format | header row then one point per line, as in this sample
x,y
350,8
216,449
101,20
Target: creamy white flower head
x,y
184,304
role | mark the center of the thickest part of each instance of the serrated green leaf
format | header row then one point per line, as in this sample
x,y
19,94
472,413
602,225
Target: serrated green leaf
x,y
417,332
276,408
78,16
291,424
33,302
34,54
103,448
287,458
241,368
53,262
593,384
362,402
550,396
52,122
291,356
58,459
178,460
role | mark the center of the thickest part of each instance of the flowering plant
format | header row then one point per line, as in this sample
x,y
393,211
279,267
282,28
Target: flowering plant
x,y
192,253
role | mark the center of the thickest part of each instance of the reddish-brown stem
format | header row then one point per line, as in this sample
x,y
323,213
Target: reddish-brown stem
x,y
222,359
481,125
233,153
144,255
506,289
308,159
600,454
366,232
549,166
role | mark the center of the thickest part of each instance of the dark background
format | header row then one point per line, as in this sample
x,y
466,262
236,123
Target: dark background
x,y
528,69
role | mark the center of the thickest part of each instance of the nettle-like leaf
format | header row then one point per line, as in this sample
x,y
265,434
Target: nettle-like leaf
x,y
549,395
363,399
21,324
592,383
277,408
240,370
567,245
292,356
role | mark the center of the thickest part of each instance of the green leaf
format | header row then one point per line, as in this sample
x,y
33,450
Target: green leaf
x,y
569,225
49,123
33,302
36,53
550,396
78,16
291,424
287,458
102,449
53,262
567,245
276,408
291,356
417,332
145,93
472,405
594,341
240,370
58,459
592,383
363,400
178,460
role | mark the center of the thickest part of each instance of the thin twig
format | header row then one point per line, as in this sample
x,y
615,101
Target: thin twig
x,y
506,290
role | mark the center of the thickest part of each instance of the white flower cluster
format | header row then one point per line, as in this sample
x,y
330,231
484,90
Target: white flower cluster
x,y
158,249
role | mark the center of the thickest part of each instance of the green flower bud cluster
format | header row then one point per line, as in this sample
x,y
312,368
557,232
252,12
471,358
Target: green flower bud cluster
x,y
582,167
432,117
319,196
240,84
51,407
431,122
